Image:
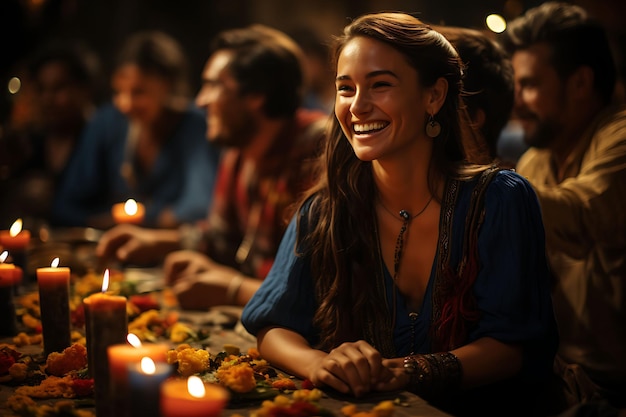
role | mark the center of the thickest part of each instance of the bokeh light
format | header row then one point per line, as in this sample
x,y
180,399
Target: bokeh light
x,y
496,23
14,85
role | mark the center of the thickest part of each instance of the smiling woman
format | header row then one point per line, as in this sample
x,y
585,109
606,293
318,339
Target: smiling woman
x,y
423,295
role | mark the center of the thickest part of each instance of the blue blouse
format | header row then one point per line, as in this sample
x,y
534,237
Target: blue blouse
x,y
512,289
182,178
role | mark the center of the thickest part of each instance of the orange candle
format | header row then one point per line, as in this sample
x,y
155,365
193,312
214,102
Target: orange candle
x,y
192,398
106,324
54,301
15,238
10,275
128,212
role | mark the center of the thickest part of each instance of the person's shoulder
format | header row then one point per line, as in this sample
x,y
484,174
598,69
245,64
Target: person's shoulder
x,y
499,182
612,123
508,186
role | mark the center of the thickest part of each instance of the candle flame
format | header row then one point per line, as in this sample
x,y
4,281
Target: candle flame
x,y
3,256
54,263
130,207
16,228
148,366
133,340
195,386
105,281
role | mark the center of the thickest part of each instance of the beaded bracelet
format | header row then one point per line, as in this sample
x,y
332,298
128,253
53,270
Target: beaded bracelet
x,y
434,374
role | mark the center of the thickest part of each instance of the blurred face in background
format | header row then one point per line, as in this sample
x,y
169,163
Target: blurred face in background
x,y
139,95
63,102
230,116
541,99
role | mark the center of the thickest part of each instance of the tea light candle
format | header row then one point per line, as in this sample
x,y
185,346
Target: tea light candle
x,y
15,238
54,301
192,398
128,212
10,275
145,379
106,324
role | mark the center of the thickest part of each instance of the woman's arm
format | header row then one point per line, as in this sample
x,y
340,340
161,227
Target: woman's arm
x,y
484,361
352,367
488,360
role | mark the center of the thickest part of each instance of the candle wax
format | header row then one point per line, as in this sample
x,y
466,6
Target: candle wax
x,y
177,402
17,242
106,324
145,389
120,216
54,293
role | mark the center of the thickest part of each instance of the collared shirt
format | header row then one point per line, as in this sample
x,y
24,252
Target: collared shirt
x,y
585,221
250,204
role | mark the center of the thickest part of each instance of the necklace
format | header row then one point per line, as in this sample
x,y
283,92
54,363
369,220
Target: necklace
x,y
405,218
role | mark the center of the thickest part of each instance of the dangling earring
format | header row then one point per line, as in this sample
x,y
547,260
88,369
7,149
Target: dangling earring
x,y
433,128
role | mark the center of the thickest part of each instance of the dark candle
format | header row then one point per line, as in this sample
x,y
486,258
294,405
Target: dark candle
x,y
54,301
144,380
107,326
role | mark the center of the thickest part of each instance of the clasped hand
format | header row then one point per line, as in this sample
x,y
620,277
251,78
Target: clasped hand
x,y
358,368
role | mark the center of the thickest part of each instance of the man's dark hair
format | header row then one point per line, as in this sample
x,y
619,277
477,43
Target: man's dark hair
x,y
267,62
575,39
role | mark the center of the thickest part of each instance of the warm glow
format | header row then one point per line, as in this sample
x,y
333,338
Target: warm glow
x,y
195,386
496,23
16,228
3,256
14,85
130,207
133,340
105,281
148,366
54,263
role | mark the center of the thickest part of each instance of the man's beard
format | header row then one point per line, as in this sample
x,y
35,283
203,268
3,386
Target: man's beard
x,y
542,133
238,134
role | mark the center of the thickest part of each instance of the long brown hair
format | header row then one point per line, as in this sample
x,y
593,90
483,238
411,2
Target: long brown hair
x,y
342,241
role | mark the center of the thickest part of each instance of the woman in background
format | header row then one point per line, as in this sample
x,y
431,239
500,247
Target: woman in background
x,y
149,144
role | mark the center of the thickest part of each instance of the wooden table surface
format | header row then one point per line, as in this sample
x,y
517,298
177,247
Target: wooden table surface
x,y
225,328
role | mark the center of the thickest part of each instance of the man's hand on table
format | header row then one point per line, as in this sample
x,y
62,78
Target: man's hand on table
x,y
200,283
133,244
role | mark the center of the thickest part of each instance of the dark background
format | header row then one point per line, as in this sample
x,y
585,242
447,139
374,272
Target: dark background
x,y
104,24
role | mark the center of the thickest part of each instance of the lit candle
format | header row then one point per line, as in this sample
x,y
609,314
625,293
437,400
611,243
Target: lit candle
x,y
10,275
128,212
15,238
123,356
54,301
192,398
106,324
145,379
